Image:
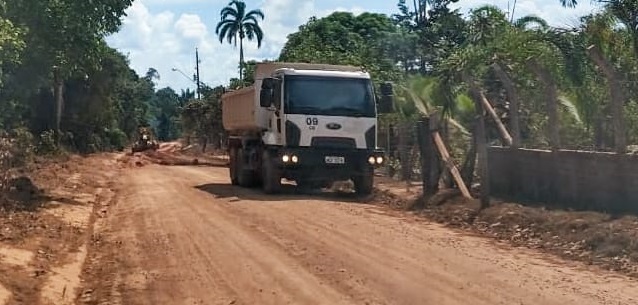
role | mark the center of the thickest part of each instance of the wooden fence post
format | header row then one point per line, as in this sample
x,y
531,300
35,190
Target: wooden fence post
x,y
481,141
429,162
481,149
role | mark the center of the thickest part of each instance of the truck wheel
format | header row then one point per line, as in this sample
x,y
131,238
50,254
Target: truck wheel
x,y
232,166
363,184
245,177
271,175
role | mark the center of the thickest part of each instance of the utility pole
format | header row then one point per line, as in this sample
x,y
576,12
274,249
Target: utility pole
x,y
199,94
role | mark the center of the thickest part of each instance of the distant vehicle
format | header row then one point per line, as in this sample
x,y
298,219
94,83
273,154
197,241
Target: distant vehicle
x,y
145,140
312,123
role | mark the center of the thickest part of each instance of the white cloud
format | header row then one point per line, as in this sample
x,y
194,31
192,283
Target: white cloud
x,y
167,38
191,26
163,41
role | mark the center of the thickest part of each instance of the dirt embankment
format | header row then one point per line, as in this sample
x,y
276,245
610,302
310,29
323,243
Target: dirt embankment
x,y
45,221
594,238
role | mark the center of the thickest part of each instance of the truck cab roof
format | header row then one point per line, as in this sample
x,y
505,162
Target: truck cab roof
x,y
324,73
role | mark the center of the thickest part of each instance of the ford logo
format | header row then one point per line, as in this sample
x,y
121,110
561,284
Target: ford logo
x,y
333,126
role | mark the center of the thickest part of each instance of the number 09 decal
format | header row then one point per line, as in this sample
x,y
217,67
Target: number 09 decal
x,y
312,122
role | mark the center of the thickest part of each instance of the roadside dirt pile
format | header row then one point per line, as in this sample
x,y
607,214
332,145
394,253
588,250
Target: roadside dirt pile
x,y
610,241
44,220
172,153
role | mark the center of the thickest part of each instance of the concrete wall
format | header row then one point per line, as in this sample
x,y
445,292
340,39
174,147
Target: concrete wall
x,y
567,179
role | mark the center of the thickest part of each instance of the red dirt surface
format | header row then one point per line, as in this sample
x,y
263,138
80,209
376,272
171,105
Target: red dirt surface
x,y
183,235
44,223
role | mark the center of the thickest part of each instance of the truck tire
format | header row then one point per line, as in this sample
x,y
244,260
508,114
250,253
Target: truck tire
x,y
245,177
232,166
271,175
364,184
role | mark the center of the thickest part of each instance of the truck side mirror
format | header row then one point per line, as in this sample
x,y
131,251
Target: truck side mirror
x,y
386,101
267,92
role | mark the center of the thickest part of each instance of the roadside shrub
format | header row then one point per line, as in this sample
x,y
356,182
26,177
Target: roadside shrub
x,y
16,150
47,143
116,138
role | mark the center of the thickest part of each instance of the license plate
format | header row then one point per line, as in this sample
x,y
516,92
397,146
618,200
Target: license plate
x,y
335,160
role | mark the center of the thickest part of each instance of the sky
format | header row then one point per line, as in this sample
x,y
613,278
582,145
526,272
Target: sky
x,y
163,34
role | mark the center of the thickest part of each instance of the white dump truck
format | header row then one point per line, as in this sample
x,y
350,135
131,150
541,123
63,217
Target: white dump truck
x,y
309,123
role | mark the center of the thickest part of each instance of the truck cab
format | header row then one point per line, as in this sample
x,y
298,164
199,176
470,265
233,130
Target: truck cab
x,y
320,126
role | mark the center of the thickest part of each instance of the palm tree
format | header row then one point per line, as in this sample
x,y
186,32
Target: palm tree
x,y
237,23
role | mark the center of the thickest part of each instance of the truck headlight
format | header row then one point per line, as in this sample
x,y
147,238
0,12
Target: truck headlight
x,y
285,158
294,159
379,160
371,160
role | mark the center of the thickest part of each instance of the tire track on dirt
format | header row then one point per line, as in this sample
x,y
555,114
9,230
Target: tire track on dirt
x,y
518,285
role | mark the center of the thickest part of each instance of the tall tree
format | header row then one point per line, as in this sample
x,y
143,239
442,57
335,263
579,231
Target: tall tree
x,y
343,38
236,23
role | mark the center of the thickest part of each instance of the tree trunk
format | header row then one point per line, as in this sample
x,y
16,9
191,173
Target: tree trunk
x,y
512,96
599,133
617,95
241,61
58,87
204,144
551,95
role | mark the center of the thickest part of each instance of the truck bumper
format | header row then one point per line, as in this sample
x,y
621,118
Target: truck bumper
x,y
328,164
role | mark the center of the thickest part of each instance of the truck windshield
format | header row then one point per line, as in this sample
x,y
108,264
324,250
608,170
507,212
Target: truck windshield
x,y
331,96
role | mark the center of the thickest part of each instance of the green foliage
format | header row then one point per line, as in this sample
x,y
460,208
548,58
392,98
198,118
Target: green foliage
x,y
104,99
341,38
203,118
11,44
16,148
47,143
165,108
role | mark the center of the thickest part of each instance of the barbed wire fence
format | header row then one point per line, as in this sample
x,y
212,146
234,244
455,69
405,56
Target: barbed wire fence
x,y
400,142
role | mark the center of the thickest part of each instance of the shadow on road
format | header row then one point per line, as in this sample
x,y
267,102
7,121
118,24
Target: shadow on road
x,y
289,192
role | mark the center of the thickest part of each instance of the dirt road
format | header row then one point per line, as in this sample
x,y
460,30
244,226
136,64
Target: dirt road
x,y
183,235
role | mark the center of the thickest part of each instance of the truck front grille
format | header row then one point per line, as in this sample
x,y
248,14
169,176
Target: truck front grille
x,y
333,142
